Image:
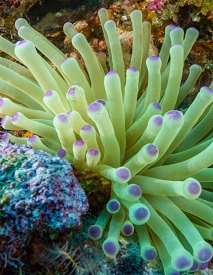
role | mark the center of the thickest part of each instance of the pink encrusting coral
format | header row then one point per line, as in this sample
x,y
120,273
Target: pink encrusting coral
x,y
155,5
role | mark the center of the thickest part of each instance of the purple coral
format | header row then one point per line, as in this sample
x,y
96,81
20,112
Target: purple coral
x,y
38,192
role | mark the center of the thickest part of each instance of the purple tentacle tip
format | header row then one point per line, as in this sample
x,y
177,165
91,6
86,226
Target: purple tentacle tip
x,y
194,188
134,190
152,150
196,65
176,27
176,45
182,262
71,91
93,152
110,248
123,173
150,254
95,106
158,120
204,254
2,120
194,266
111,73
113,206
4,136
208,89
64,60
153,58
87,128
156,105
128,229
94,232
173,114
32,138
61,153
203,266
141,213
1,102
133,69
49,93
174,272
63,117
102,101
79,143
19,43
15,117
171,26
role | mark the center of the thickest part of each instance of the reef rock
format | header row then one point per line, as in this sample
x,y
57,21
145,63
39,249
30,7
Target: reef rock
x,y
38,192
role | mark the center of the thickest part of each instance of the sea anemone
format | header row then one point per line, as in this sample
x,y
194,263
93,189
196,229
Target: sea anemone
x,y
126,126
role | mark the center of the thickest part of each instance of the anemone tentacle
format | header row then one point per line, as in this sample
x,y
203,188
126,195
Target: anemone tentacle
x,y
124,124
